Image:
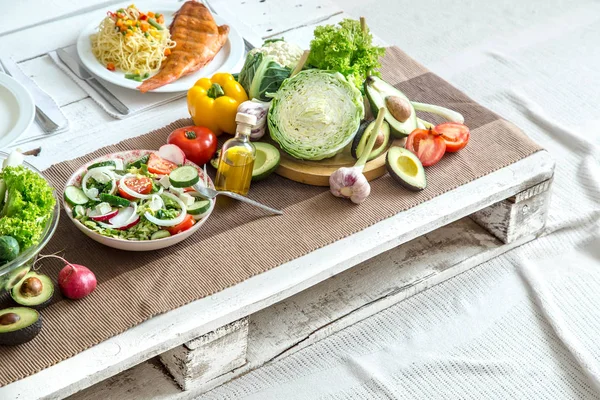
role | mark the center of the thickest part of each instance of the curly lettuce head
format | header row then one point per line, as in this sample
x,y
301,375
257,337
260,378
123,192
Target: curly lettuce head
x,y
29,204
315,114
347,49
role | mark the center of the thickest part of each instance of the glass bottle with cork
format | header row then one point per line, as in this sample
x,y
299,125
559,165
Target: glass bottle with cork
x,y
237,158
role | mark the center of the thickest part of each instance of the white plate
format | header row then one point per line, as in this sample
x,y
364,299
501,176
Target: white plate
x,y
16,110
131,245
225,60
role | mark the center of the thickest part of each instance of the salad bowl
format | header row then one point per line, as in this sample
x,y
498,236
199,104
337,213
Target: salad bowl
x,y
128,157
13,271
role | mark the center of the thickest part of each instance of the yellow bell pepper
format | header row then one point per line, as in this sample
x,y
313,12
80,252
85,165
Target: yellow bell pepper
x,y
213,102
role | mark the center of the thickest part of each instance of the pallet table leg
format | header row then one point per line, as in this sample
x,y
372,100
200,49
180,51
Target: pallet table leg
x,y
209,356
518,216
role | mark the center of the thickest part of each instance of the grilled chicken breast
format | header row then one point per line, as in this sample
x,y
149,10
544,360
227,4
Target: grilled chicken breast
x,y
198,40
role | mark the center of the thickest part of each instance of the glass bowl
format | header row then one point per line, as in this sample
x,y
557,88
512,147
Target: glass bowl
x,y
11,273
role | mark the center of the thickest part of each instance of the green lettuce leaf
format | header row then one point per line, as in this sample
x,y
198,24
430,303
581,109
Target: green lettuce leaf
x,y
29,204
346,49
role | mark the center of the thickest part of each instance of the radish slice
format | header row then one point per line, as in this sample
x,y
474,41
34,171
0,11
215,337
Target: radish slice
x,y
125,218
169,222
133,193
97,217
172,153
124,227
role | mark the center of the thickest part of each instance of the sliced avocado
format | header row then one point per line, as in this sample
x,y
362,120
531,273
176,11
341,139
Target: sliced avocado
x,y
35,291
377,90
266,162
406,168
19,325
9,248
362,137
16,276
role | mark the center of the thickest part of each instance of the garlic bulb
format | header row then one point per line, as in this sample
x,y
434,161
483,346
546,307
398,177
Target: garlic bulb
x,y
350,183
259,109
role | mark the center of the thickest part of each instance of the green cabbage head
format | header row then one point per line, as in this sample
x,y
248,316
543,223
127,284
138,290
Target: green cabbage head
x,y
315,114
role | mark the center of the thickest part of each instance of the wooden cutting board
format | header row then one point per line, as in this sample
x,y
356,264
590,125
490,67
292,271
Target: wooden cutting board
x,y
317,173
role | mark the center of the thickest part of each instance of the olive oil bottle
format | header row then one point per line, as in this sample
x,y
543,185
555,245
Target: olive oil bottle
x,y
237,158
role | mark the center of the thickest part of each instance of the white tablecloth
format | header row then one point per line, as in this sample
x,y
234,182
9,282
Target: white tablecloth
x,y
526,324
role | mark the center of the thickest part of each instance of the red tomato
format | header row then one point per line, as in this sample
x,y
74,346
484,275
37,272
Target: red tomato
x,y
428,145
141,185
186,224
197,142
454,134
160,166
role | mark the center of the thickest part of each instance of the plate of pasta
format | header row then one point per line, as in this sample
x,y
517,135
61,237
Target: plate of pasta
x,y
159,47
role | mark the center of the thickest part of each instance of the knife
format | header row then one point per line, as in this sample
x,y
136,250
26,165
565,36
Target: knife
x,y
48,114
84,74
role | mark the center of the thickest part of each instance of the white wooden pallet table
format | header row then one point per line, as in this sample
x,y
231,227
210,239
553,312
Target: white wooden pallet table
x,y
289,307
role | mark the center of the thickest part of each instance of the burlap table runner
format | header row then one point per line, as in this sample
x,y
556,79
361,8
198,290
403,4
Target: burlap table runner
x,y
236,243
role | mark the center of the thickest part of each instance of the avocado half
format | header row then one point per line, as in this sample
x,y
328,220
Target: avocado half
x,y
15,276
19,325
362,137
377,90
406,168
35,291
266,162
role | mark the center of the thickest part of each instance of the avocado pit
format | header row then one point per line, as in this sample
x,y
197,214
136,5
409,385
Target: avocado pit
x,y
35,291
31,287
9,319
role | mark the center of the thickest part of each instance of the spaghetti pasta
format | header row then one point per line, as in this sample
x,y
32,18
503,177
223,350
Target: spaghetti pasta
x,y
136,43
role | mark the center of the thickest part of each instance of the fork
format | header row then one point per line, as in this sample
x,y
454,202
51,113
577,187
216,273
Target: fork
x,y
209,193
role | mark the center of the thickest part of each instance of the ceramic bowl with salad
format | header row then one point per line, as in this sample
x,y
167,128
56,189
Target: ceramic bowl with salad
x,y
29,212
138,200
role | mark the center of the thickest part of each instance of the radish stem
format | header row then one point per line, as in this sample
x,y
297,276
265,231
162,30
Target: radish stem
x,y
450,115
369,147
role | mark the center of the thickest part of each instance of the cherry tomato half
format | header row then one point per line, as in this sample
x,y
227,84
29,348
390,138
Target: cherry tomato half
x,y
186,224
141,185
160,166
428,146
454,134
197,142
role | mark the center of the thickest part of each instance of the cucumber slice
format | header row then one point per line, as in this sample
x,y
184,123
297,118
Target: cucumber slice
x,y
114,201
75,196
160,235
199,207
108,163
78,211
183,177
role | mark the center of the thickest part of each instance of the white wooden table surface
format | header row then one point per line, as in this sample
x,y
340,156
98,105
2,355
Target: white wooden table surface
x,y
30,29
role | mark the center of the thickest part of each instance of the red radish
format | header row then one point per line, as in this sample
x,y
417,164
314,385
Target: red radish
x,y
75,281
94,215
172,153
